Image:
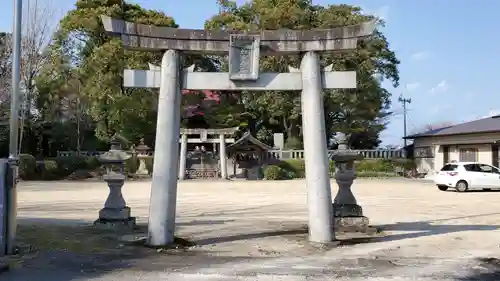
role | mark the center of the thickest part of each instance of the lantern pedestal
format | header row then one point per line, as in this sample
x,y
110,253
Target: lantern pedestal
x,y
115,213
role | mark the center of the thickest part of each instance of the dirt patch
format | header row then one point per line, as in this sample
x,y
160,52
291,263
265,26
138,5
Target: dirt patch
x,y
54,243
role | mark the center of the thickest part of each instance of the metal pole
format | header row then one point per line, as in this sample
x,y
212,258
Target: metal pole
x,y
163,199
404,101
14,127
3,207
319,194
404,123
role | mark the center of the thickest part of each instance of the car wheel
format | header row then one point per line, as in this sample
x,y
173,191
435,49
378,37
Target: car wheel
x,y
442,187
462,186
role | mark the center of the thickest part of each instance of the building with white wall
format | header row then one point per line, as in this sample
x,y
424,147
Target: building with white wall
x,y
475,141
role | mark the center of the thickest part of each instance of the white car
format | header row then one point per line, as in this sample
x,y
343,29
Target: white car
x,y
465,176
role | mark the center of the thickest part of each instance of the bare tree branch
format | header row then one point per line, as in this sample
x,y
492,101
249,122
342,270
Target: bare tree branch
x,y
39,23
5,74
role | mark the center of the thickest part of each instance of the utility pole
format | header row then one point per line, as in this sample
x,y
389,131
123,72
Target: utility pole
x,y
13,161
404,101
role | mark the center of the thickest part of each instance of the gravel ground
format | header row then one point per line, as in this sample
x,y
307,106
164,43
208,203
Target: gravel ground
x,y
256,231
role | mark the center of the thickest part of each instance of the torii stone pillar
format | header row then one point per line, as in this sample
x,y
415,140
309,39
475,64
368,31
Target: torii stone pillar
x,y
223,156
244,51
182,157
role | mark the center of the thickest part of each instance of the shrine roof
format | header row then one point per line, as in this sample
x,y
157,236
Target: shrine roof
x,y
247,137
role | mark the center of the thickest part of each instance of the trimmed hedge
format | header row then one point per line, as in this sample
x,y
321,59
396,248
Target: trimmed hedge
x,y
47,170
59,168
27,167
274,172
294,168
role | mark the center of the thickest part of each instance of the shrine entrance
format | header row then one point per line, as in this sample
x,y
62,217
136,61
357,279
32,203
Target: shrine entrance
x,y
202,156
243,51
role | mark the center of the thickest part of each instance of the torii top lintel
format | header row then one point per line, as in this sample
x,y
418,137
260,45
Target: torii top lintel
x,y
153,38
225,131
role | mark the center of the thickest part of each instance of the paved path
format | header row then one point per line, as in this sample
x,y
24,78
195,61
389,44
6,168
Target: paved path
x,y
431,235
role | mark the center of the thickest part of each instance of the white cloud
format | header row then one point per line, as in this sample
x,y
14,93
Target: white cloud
x,y
410,87
418,56
440,88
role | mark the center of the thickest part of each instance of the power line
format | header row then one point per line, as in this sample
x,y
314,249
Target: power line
x,y
404,101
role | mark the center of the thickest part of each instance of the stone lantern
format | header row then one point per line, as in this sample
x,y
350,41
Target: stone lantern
x,y
115,212
142,151
346,211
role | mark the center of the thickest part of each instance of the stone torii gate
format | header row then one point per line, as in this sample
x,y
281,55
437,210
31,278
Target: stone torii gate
x,y
244,51
222,141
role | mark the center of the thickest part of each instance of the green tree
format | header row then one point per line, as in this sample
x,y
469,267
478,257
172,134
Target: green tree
x,y
351,111
82,52
100,60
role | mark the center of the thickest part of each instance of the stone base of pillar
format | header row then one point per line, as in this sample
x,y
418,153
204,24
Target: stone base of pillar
x,y
112,218
347,210
140,177
348,218
354,228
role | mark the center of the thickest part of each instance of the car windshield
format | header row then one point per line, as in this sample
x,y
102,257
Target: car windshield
x,y
449,167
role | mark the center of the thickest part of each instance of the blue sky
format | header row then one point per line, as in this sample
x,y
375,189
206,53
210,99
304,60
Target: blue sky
x,y
449,52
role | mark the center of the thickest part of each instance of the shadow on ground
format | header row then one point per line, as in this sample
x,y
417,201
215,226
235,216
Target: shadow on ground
x,y
251,236
70,250
414,229
451,189
487,269
67,250
433,227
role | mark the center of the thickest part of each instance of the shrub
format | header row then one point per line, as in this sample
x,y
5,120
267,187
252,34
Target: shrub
x,y
27,167
274,172
69,164
66,165
288,175
48,170
374,174
404,164
131,165
294,167
92,162
385,165
374,165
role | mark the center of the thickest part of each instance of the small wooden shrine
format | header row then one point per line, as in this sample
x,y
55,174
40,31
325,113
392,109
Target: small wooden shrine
x,y
248,155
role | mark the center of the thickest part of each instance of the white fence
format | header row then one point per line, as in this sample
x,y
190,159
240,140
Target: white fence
x,y
278,154
367,153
